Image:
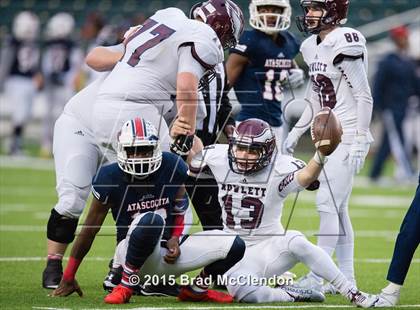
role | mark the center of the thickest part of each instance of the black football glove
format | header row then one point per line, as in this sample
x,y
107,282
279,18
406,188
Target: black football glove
x,y
182,145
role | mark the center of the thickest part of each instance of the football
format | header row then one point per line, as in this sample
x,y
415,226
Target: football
x,y
326,131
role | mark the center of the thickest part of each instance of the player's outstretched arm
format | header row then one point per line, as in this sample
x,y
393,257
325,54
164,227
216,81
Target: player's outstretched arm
x,y
81,247
326,134
104,58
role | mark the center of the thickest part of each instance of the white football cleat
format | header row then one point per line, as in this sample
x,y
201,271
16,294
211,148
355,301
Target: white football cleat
x,y
387,299
303,294
309,282
362,299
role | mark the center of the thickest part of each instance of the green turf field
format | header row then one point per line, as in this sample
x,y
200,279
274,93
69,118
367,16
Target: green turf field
x,y
27,195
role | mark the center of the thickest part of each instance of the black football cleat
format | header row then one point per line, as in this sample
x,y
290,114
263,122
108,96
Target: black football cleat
x,y
112,279
52,274
161,290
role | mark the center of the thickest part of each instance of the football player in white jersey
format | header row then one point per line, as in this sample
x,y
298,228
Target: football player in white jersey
x,y
164,57
253,181
76,167
337,60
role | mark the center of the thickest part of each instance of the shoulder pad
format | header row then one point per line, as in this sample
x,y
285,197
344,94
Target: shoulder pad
x,y
286,164
347,41
307,45
205,44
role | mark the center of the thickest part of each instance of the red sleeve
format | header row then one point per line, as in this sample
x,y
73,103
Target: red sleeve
x,y
178,226
71,269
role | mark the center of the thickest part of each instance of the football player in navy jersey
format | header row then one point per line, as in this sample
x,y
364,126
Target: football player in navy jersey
x,y
19,72
145,192
261,64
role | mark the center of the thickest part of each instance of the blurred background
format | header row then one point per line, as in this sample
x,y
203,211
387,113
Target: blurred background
x,y
390,26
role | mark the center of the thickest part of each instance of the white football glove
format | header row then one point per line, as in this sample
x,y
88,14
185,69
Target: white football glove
x,y
290,143
296,77
358,151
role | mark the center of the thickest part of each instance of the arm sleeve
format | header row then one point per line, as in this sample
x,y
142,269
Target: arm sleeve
x,y
355,72
102,187
244,46
181,206
188,63
288,177
311,109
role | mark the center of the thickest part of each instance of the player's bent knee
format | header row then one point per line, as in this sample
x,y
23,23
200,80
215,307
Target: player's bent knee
x,y
151,219
60,228
237,250
299,245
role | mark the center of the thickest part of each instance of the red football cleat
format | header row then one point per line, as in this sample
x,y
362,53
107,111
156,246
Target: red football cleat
x,y
187,294
119,295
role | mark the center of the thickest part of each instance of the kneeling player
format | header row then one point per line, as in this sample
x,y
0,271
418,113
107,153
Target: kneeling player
x,y
146,194
253,184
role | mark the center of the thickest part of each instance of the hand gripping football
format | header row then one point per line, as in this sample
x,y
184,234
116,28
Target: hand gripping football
x,y
326,131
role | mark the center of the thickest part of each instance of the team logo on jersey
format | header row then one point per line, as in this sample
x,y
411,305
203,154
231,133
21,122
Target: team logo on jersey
x,y
317,67
244,181
148,204
249,190
280,55
278,63
79,133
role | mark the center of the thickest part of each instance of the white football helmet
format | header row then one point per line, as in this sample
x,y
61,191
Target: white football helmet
x,y
60,26
138,148
26,26
263,21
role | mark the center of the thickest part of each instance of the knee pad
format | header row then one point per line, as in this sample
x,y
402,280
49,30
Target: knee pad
x,y
60,228
237,250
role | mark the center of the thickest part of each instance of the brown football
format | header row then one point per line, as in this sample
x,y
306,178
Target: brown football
x,y
326,131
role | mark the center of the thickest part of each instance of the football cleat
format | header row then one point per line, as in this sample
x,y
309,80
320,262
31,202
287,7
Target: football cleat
x,y
119,295
387,299
112,279
52,274
303,294
187,294
329,289
309,282
161,290
361,299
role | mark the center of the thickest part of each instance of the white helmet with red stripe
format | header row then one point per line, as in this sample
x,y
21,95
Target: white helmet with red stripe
x,y
138,148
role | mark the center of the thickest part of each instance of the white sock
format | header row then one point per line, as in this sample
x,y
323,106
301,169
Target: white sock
x,y
345,246
327,236
343,285
392,288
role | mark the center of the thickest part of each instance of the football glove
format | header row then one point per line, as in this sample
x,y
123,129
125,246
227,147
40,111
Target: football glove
x,y
182,145
296,78
290,143
358,151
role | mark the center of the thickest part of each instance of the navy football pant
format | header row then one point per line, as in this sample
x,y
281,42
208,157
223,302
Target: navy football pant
x,y
407,241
